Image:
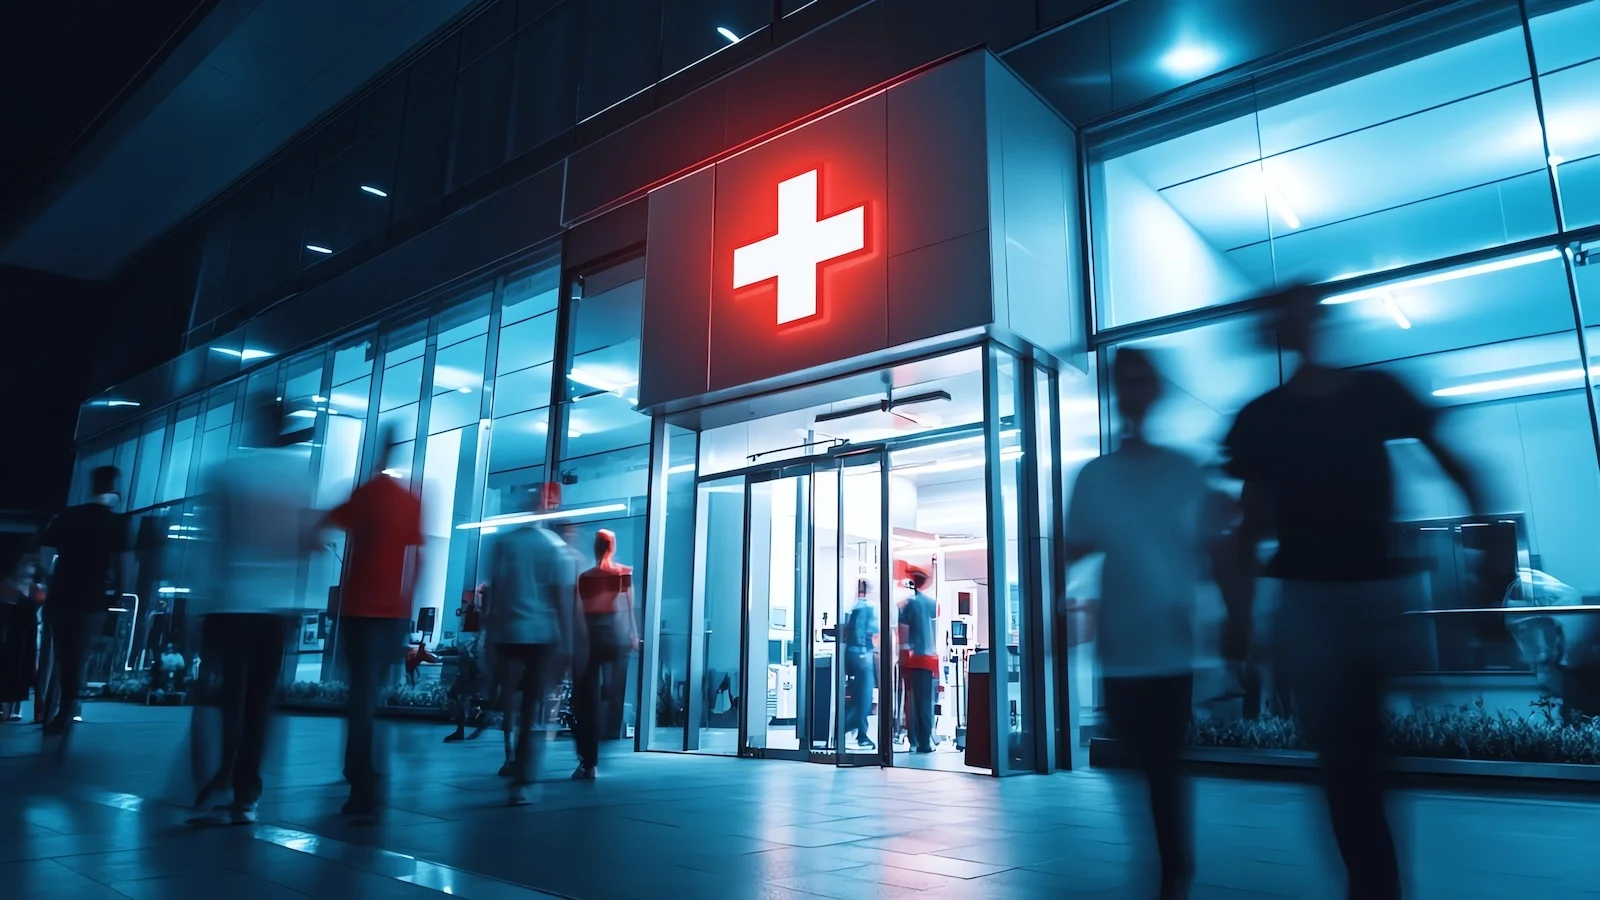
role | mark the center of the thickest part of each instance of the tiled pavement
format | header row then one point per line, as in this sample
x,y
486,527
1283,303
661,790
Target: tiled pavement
x,y
690,828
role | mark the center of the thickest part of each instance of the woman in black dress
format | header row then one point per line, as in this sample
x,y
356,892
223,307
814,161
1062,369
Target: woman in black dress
x,y
19,637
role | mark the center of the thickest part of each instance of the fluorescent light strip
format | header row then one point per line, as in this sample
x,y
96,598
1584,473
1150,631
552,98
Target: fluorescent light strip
x,y
122,403
500,521
1515,381
728,34
681,469
376,192
1498,265
318,248
245,354
172,590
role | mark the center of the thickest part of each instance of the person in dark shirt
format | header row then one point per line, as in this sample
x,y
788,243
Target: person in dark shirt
x,y
921,664
1312,455
86,543
859,639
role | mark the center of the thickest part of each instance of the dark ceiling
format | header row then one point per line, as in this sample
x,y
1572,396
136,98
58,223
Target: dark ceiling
x,y
63,65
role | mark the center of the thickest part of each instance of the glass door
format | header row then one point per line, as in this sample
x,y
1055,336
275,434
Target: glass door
x,y
816,604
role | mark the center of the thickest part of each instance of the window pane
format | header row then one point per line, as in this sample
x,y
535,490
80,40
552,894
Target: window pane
x,y
459,368
175,483
671,599
530,293
622,46
401,384
527,343
546,95
695,29
1569,76
524,390
518,442
149,465
1413,157
469,318
446,503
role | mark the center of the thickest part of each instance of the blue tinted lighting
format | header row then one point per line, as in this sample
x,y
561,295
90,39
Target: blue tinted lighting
x,y
1188,60
376,192
732,38
316,248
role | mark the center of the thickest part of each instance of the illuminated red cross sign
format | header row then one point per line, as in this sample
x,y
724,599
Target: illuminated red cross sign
x,y
801,246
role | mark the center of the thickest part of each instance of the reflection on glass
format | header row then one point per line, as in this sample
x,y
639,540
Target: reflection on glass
x,y
714,669
1414,157
779,622
1569,79
673,596
175,482
1013,630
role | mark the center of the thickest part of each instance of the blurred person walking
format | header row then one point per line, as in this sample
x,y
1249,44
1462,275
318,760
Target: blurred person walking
x,y
606,593
84,550
19,635
920,663
529,623
1316,472
1143,506
257,510
383,521
858,636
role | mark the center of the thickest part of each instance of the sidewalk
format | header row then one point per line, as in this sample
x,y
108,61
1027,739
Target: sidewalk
x,y
697,828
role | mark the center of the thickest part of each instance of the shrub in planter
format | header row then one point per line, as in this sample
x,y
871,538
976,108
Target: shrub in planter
x,y
317,693
1472,732
422,696
129,688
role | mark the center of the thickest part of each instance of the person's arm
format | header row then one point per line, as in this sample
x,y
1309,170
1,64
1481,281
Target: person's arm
x,y
625,597
1457,471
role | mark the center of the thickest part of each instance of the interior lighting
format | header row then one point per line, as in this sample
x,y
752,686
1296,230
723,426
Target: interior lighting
x,y
584,378
376,192
122,403
524,518
1189,59
728,33
680,469
1498,265
172,590
1556,160
304,414
246,354
393,473
318,248
1534,379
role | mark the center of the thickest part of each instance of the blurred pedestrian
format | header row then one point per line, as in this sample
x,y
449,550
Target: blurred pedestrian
x,y
1144,506
256,509
469,686
383,520
606,592
84,549
530,623
1316,472
858,638
19,636
920,667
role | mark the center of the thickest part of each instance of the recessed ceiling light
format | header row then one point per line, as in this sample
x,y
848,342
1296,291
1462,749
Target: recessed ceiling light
x,y
318,248
376,192
732,38
1188,60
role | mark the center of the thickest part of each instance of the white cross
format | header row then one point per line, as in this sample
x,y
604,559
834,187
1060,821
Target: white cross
x,y
803,243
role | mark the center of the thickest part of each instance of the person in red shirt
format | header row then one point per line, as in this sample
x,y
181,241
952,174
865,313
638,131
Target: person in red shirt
x,y
383,520
606,591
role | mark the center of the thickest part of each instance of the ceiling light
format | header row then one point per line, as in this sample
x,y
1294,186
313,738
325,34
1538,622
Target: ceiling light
x,y
680,469
464,390
574,434
524,518
318,248
303,414
374,191
732,38
584,378
1515,381
122,403
172,590
245,354
1497,265
393,473
1188,60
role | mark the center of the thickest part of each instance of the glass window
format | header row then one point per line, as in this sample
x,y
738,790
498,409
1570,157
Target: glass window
x,y
175,481
695,29
353,360
148,469
622,49
401,384
1014,618
1569,79
530,293
546,95
457,385
671,600
522,391
1424,150
527,343
467,319
449,472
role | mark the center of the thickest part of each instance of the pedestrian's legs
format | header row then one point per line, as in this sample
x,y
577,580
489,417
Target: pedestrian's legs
x,y
362,656
922,702
861,681
586,711
44,678
261,652
73,633
533,682
228,636
1151,716
1334,659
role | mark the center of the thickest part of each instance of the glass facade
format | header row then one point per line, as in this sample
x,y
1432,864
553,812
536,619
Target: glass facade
x,y
1446,175
1441,170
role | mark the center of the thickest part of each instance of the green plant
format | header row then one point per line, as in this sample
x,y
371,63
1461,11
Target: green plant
x,y
129,688
423,696
1543,735
317,693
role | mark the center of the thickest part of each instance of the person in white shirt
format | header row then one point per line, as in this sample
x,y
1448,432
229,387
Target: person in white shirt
x,y
256,520
1142,506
